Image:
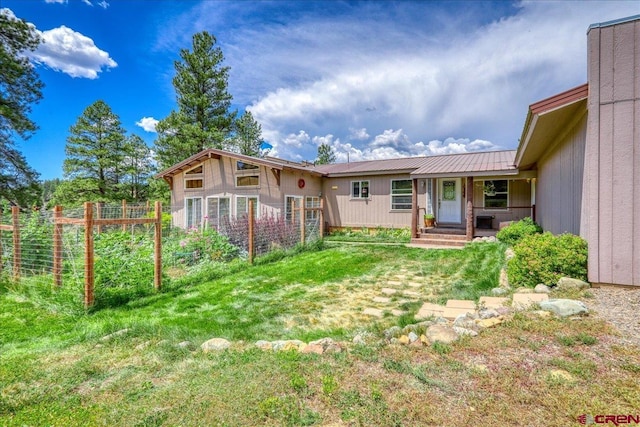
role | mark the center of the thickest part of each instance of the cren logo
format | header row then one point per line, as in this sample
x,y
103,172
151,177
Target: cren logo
x,y
585,419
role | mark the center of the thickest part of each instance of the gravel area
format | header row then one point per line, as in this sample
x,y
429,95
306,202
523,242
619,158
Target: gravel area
x,y
620,307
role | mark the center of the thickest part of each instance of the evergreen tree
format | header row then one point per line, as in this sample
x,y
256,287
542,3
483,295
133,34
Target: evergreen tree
x,y
203,119
325,154
95,151
248,135
19,88
138,167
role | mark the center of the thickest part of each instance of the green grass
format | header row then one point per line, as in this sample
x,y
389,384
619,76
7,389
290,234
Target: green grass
x,y
56,368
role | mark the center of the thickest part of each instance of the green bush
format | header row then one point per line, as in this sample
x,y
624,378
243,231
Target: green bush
x,y
515,232
545,258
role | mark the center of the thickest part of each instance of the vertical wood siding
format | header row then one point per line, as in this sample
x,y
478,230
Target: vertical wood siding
x,y
612,173
219,180
559,186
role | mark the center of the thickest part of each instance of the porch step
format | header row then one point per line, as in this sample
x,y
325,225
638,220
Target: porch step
x,y
431,241
443,236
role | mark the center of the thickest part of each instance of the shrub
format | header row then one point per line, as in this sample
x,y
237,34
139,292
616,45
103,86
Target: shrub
x,y
515,232
198,245
545,258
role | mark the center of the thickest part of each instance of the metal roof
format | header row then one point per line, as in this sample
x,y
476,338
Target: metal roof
x,y
372,167
483,163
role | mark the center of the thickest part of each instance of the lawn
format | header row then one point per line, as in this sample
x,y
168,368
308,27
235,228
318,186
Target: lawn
x,y
56,367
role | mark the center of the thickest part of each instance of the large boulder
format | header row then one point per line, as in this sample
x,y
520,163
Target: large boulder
x,y
564,307
569,284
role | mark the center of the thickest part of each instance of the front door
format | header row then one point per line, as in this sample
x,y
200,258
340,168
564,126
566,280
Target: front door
x,y
449,203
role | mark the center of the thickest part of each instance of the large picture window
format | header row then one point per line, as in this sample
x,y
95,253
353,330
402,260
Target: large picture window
x,y
360,189
193,210
401,190
496,194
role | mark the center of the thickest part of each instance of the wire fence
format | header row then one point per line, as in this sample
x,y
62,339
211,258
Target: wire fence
x,y
134,248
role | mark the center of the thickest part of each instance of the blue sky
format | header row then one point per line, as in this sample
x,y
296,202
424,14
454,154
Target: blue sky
x,y
372,79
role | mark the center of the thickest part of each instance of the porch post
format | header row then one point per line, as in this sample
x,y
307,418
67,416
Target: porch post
x,y
469,193
414,208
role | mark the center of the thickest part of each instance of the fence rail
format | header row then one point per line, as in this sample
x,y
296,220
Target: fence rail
x,y
52,247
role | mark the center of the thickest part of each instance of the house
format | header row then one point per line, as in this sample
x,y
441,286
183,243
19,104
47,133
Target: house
x,y
576,169
216,184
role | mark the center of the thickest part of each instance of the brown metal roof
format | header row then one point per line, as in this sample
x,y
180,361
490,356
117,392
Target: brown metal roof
x,y
372,167
468,164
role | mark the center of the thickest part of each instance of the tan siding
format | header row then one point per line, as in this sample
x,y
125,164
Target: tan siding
x,y
559,187
342,211
220,180
613,144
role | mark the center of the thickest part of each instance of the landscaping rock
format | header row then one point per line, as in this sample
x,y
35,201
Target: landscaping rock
x,y
287,345
564,307
215,344
569,284
413,337
264,345
488,313
503,311
404,339
489,323
115,334
504,279
441,333
541,288
328,345
312,348
465,321
464,331
499,292
393,332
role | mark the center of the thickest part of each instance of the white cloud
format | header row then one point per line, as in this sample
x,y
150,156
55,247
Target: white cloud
x,y
56,1
103,4
72,53
148,124
87,2
457,75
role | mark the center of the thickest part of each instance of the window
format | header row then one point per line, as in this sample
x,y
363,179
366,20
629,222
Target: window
x,y
242,166
195,171
193,184
360,189
496,194
193,207
242,205
218,208
247,181
292,208
401,190
312,202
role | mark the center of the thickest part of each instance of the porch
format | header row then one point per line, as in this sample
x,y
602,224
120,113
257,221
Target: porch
x,y
485,205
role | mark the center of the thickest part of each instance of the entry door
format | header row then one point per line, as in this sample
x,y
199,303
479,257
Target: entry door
x,y
449,203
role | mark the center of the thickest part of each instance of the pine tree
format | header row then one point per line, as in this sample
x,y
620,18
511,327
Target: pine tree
x,y
95,151
203,119
325,154
19,88
248,135
138,167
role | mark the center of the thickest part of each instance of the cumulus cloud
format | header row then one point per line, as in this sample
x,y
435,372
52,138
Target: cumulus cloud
x,y
148,124
458,76
72,53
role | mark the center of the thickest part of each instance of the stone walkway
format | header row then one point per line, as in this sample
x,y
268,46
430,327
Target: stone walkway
x,y
405,287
